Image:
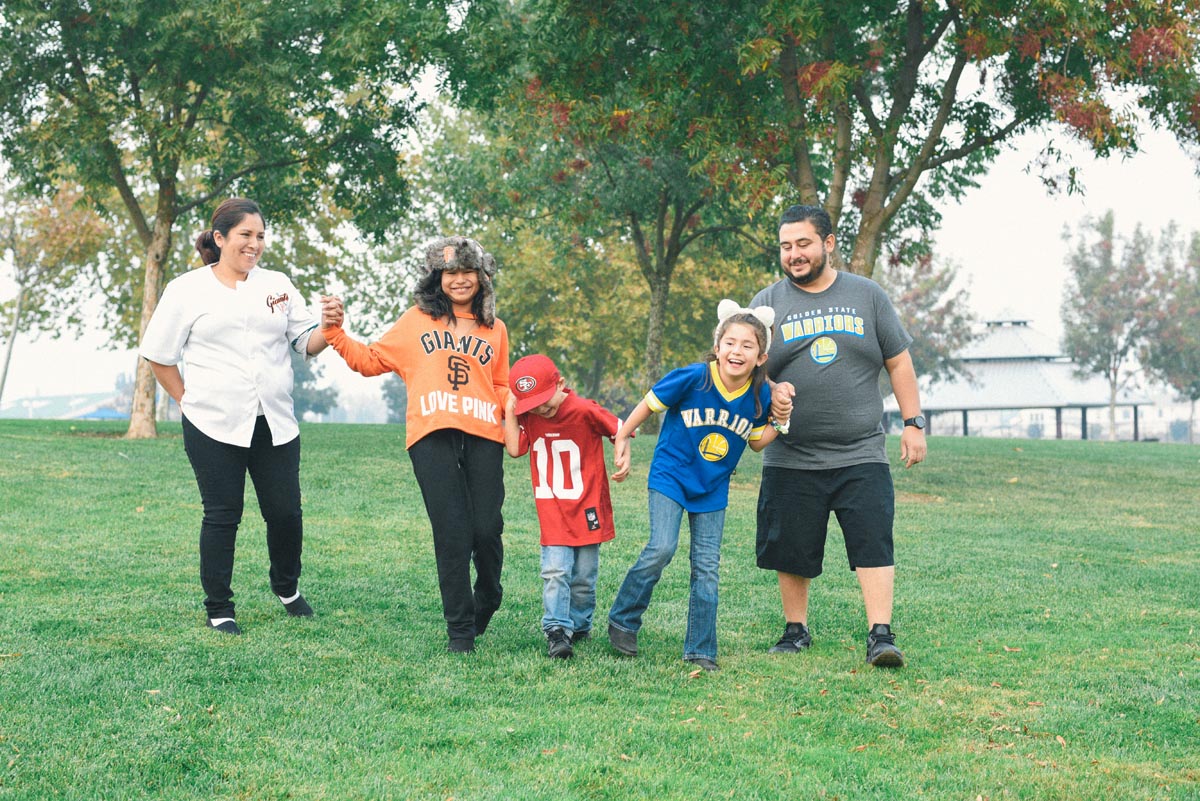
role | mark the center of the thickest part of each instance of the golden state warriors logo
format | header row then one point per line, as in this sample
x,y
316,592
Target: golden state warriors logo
x,y
714,447
823,351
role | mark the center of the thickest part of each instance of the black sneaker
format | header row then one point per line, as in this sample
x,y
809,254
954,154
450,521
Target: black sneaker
x,y
558,646
226,627
482,618
795,639
299,608
461,645
704,663
624,641
881,647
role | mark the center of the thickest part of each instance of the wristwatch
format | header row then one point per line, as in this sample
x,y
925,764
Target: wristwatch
x,y
915,422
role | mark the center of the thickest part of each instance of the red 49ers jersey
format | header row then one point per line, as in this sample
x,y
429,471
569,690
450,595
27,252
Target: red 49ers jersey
x,y
570,475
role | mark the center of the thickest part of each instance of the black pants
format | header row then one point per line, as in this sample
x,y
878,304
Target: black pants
x,y
462,481
221,475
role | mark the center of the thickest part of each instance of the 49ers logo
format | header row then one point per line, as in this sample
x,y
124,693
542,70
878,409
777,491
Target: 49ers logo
x,y
526,383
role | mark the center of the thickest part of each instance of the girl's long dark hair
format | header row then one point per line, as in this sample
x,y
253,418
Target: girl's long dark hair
x,y
759,375
430,299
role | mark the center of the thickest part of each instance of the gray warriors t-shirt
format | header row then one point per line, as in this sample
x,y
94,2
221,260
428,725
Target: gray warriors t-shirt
x,y
831,346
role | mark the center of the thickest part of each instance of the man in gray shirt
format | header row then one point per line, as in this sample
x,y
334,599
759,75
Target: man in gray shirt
x,y
834,332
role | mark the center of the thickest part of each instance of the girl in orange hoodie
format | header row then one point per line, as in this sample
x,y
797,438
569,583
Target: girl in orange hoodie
x,y
452,353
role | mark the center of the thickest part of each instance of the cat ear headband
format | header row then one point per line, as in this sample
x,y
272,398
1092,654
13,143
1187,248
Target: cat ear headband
x,y
727,308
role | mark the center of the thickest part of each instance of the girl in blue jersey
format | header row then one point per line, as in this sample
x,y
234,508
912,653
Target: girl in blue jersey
x,y
713,409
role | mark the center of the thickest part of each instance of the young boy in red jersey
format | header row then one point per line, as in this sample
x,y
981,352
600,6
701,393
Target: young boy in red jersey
x,y
565,434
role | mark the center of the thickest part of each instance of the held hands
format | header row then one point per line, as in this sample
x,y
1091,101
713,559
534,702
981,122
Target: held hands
x,y
781,402
621,458
333,313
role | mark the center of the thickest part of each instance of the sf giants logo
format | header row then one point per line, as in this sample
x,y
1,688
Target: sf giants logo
x,y
276,300
460,372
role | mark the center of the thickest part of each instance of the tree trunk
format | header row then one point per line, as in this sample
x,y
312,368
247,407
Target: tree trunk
x,y
12,338
660,290
1192,424
1112,411
141,415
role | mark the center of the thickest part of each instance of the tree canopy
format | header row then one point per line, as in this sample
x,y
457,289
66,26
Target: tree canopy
x,y
170,105
869,109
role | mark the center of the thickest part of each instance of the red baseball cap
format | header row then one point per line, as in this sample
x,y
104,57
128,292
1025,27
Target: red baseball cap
x,y
533,380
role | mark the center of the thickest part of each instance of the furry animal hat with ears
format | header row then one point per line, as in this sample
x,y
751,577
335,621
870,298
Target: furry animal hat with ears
x,y
463,253
728,308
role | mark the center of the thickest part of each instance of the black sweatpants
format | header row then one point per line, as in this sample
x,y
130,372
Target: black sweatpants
x,y
221,475
462,481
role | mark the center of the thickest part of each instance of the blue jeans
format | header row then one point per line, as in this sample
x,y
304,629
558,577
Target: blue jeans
x,y
569,586
634,595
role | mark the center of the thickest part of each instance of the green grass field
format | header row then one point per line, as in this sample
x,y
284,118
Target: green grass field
x,y
1047,601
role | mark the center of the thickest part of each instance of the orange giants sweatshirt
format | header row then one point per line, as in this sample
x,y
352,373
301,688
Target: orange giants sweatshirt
x,y
456,377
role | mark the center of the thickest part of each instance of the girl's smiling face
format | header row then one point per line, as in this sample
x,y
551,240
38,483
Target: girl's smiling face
x,y
460,286
738,353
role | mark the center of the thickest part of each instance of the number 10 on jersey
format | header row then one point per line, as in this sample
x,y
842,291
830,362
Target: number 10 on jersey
x,y
558,460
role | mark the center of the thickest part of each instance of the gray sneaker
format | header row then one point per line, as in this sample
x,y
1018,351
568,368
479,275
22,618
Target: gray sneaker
x,y
624,641
795,639
558,645
881,647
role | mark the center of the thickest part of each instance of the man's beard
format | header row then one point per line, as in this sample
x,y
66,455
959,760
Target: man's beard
x,y
814,272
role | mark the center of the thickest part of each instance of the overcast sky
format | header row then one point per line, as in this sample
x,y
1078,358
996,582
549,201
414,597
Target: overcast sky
x,y
1005,237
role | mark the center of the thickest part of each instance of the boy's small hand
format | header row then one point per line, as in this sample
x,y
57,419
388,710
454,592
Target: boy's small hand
x,y
621,460
510,408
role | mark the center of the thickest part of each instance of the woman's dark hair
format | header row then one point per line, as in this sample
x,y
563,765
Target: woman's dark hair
x,y
228,214
759,375
430,299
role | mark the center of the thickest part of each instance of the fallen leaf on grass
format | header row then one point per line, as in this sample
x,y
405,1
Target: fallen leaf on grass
x,y
1013,480
153,692
549,751
1034,703
996,684
695,673
860,747
1060,740
1011,650
626,757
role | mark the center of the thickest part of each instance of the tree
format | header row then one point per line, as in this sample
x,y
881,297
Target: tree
x,y
1106,305
932,312
172,104
1171,349
870,109
306,395
593,161
395,396
43,239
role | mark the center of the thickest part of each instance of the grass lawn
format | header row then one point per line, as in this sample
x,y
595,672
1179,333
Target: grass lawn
x,y
1048,600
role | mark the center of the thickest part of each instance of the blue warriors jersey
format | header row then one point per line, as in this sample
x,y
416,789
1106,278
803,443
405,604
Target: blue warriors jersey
x,y
705,428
